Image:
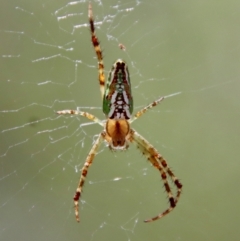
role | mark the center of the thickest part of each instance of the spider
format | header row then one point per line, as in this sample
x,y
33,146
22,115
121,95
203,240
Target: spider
x,y
117,132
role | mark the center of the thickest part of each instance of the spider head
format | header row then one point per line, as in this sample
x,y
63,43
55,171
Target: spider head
x,y
117,131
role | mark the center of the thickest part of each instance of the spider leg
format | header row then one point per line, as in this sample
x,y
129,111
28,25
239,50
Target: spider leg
x,y
143,111
161,164
96,45
85,114
84,173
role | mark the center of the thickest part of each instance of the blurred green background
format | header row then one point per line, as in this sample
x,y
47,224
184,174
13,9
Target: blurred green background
x,y
189,50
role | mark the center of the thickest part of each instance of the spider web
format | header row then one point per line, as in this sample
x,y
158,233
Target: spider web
x,y
186,51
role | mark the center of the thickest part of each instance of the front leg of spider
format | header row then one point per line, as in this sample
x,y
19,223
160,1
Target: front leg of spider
x,y
84,173
160,164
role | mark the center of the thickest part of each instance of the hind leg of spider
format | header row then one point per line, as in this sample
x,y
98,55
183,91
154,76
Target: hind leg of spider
x,y
98,51
145,109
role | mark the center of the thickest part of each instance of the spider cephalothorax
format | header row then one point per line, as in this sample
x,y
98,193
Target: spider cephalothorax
x,y
117,132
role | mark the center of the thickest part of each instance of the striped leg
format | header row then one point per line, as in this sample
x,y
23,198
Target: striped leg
x,y
96,45
175,180
84,173
159,163
85,114
143,111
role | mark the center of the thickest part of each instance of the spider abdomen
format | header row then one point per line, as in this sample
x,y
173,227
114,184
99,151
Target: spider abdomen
x,y
117,100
